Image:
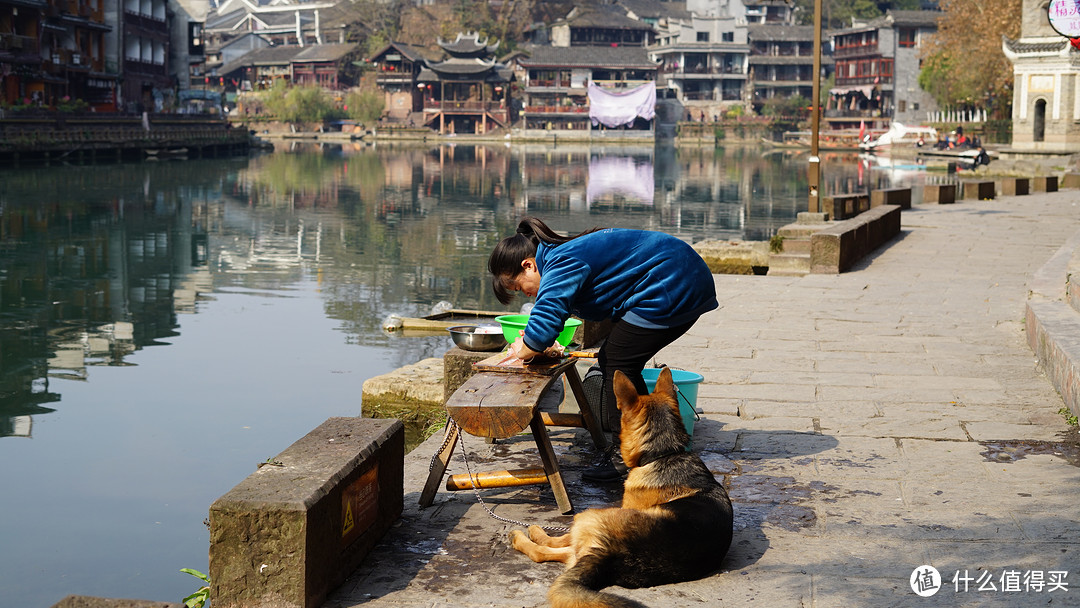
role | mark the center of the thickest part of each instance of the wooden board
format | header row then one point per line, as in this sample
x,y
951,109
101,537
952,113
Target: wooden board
x,y
504,363
498,405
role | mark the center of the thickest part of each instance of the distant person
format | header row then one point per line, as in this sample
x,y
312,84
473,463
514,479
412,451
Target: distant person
x,y
982,158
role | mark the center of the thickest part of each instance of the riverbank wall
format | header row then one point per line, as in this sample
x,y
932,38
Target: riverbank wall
x,y
52,138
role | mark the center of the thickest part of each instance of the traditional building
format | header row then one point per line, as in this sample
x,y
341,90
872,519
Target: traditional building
x,y
877,69
556,87
469,91
147,83
782,62
54,51
601,25
704,59
397,69
1046,85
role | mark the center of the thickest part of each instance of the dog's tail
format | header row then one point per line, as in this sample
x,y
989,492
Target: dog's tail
x,y
578,586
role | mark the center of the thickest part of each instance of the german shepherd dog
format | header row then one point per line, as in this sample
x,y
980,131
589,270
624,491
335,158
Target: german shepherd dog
x,y
675,522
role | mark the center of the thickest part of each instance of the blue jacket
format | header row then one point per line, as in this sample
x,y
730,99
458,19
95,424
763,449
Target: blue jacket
x,y
648,279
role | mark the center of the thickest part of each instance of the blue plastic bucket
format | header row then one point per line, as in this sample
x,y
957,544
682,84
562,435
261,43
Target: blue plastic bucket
x,y
686,385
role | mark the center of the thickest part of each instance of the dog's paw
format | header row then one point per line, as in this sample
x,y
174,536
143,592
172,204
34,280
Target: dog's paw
x,y
518,539
537,534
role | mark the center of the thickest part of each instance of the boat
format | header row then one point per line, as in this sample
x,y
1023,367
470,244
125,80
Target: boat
x,y
846,140
901,136
438,322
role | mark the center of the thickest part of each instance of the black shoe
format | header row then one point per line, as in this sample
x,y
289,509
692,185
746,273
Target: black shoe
x,y
609,467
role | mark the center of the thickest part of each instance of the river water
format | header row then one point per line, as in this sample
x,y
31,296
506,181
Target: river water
x,y
165,327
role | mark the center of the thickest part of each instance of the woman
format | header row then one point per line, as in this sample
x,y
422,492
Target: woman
x,y
651,285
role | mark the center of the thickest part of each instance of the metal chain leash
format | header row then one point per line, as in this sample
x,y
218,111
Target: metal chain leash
x,y
451,428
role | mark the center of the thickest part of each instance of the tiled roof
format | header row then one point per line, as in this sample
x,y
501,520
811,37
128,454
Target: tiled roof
x,y
915,18
324,52
604,16
1019,47
468,43
789,33
654,9
588,56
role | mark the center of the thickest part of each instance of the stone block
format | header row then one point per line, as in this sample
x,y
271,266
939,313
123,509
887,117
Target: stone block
x,y
941,194
86,601
1015,186
844,206
901,197
299,525
457,368
978,190
836,248
1044,183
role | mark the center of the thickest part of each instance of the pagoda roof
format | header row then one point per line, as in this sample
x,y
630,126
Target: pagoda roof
x,y
468,44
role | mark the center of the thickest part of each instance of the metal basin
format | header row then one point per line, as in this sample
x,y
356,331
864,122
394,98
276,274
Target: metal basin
x,y
466,337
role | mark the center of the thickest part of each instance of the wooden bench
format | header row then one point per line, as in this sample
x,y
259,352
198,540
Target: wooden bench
x,y
500,401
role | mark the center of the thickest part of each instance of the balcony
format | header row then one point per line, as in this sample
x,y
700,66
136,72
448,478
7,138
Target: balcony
x,y
863,50
556,109
703,71
18,45
471,107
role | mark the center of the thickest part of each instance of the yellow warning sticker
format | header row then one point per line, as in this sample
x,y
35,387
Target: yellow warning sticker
x,y
347,523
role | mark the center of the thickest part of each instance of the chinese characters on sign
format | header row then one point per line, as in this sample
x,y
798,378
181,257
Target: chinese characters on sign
x,y
1065,17
925,581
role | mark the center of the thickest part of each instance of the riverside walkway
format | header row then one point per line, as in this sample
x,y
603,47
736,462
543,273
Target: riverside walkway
x,y
866,424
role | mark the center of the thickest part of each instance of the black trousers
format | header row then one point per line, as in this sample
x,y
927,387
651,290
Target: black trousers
x,y
628,349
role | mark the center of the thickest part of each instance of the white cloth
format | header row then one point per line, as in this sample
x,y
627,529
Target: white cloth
x,y
620,175
617,108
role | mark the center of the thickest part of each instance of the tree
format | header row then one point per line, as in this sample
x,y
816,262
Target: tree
x,y
963,64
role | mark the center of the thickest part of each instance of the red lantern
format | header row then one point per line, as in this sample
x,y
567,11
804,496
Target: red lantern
x,y
1075,42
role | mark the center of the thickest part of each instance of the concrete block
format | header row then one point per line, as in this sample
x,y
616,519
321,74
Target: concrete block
x,y
1015,186
978,190
297,527
1044,183
941,194
901,197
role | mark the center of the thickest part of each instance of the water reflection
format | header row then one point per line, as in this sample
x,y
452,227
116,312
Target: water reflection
x,y
267,279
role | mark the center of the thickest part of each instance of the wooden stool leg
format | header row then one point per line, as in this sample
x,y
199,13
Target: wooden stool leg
x,y
438,466
551,465
591,423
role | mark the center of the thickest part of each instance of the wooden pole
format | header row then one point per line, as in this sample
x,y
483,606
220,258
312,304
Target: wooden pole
x,y
814,175
496,479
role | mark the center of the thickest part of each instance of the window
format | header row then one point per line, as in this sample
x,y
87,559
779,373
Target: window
x,y
902,105
195,38
727,37
907,36
703,36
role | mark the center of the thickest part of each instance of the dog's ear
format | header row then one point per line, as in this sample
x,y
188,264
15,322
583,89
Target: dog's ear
x,y
625,392
664,384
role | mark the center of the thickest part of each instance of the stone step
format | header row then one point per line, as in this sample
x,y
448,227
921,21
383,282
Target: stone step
x,y
800,230
789,264
796,245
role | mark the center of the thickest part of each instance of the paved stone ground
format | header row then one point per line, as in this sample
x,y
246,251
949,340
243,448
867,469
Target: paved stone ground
x,y
865,424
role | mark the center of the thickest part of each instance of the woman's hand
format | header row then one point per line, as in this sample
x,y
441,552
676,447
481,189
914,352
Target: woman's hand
x,y
521,351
